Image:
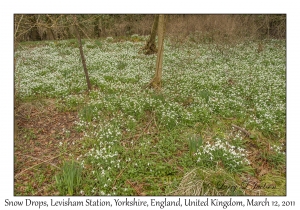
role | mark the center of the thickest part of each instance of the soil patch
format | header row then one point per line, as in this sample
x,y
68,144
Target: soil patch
x,y
41,132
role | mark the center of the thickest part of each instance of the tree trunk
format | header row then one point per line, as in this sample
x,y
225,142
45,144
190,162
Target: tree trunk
x,y
50,33
81,54
150,47
34,34
156,81
97,31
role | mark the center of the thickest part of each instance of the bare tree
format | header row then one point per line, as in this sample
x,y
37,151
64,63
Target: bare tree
x,y
81,53
156,81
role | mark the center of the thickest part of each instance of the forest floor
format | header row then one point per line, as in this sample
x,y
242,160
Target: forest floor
x,y
217,127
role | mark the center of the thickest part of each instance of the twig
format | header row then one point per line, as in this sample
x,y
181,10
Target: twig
x,y
37,164
147,125
120,175
16,30
144,131
135,188
229,118
241,129
45,161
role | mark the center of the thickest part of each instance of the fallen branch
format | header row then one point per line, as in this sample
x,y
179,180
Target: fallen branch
x,y
144,130
137,189
119,175
241,129
43,161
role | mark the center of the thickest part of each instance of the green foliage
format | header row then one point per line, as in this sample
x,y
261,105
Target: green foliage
x,y
194,143
89,46
88,113
205,95
70,103
121,65
276,156
29,134
72,43
98,43
69,180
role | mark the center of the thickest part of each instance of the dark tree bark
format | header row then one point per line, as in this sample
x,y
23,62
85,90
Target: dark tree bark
x,y
97,31
34,34
150,47
82,54
50,31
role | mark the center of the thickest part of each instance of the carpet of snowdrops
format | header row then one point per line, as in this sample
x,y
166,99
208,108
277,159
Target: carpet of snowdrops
x,y
135,135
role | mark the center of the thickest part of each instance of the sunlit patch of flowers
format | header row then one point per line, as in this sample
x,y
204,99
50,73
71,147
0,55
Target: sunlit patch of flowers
x,y
104,157
278,149
169,114
223,154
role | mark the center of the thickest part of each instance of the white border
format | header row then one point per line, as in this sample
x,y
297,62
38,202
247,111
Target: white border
x,y
8,8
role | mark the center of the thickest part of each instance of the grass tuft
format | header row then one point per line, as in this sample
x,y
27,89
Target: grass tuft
x,y
69,180
207,182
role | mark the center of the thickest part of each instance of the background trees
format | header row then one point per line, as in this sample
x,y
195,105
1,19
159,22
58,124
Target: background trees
x,y
197,28
208,27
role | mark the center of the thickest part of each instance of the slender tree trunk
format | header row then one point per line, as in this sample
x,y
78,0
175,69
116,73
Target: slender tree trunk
x,y
150,47
82,55
156,81
97,31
